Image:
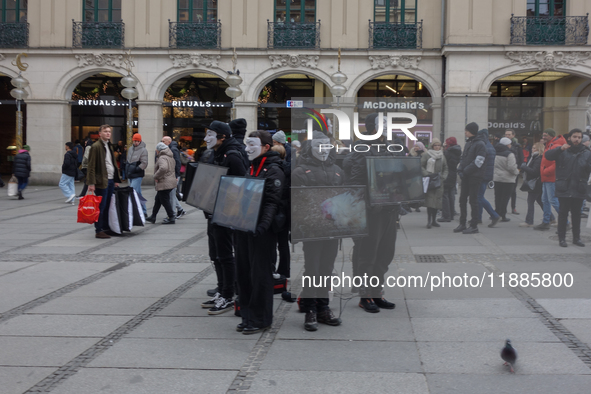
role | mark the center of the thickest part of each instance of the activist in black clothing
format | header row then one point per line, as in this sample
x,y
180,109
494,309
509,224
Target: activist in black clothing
x,y
452,154
573,165
228,152
238,127
255,253
531,171
372,255
21,169
316,168
517,150
471,171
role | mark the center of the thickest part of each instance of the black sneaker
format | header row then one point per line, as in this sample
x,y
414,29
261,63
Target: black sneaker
x,y
240,327
311,322
180,213
168,221
562,243
249,330
383,303
151,219
505,220
578,242
327,317
470,230
494,222
211,303
221,305
211,292
460,228
368,305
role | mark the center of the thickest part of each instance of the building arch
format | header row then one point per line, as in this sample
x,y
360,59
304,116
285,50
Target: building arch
x,y
165,79
66,85
360,80
253,89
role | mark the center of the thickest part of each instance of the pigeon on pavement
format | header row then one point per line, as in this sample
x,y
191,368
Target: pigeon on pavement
x,y
509,355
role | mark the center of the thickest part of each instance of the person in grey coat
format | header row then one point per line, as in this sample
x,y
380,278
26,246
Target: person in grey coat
x,y
505,175
164,176
433,163
137,161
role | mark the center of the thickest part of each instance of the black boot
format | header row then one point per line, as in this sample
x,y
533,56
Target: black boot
x,y
20,195
429,220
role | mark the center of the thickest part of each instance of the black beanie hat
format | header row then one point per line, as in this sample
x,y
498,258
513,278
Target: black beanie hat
x,y
472,128
238,127
221,128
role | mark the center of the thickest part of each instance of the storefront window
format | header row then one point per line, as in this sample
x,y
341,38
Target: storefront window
x,y
13,11
197,11
102,10
295,11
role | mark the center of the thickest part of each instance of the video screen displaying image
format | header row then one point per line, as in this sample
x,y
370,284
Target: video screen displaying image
x,y
205,185
328,212
238,203
393,180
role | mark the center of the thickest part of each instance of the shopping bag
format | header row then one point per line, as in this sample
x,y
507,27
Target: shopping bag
x,y
426,180
12,186
88,209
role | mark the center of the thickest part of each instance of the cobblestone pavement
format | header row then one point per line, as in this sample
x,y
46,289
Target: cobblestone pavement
x,y
83,315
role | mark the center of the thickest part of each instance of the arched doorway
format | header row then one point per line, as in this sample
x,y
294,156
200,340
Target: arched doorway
x,y
96,101
8,124
191,103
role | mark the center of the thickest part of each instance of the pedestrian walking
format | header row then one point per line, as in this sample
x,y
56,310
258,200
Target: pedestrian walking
x,y
137,161
165,179
548,176
452,154
471,171
505,176
103,177
174,148
531,177
69,172
434,166
573,166
489,173
84,165
22,169
517,150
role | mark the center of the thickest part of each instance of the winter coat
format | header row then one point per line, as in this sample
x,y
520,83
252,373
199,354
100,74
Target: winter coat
x,y
176,154
79,150
312,172
84,164
97,168
287,147
232,154
505,165
548,168
434,197
489,163
518,152
274,177
70,164
473,158
531,170
355,166
164,171
452,157
137,161
22,164
573,166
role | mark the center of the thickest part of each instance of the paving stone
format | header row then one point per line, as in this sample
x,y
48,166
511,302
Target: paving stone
x,y
167,267
105,306
579,289
501,308
567,308
580,328
61,325
20,379
41,352
209,327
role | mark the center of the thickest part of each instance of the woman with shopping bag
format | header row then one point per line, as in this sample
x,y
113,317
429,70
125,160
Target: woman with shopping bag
x,y
22,170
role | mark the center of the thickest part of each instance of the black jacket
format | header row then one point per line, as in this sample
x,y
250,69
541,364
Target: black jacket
x,y
518,152
272,172
176,153
70,164
231,154
532,169
473,158
355,165
572,170
312,172
22,165
452,156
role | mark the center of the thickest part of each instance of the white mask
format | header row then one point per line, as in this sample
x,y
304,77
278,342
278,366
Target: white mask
x,y
211,138
253,147
321,154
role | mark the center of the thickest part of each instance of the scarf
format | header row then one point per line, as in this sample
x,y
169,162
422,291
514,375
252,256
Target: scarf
x,y
435,155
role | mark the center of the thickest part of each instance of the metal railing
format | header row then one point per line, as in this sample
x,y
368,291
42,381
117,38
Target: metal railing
x,y
14,35
548,30
386,35
194,34
98,34
293,35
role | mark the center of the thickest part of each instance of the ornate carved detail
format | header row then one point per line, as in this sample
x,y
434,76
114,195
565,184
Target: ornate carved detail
x,y
548,60
180,61
383,61
2,57
309,61
100,60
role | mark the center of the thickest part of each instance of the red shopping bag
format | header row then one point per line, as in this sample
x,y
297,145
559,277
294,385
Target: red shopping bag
x,y
88,209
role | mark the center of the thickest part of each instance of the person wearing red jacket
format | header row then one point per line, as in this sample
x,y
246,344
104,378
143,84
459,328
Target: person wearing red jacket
x,y
548,176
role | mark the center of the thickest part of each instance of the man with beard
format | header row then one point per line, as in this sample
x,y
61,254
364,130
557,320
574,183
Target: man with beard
x,y
228,152
573,165
316,168
255,252
373,254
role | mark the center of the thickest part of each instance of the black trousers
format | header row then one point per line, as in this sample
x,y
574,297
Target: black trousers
x,y
163,199
502,196
469,191
532,198
254,273
319,258
448,202
284,267
372,255
572,205
221,252
514,192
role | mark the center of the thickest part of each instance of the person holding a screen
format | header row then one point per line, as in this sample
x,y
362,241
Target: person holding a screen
x,y
255,252
316,168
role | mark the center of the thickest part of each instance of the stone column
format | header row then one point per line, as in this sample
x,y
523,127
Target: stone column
x,y
48,130
150,127
248,111
455,113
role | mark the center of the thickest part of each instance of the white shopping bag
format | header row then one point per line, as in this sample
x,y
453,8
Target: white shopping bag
x,y
12,187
